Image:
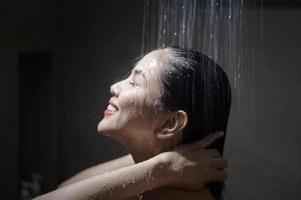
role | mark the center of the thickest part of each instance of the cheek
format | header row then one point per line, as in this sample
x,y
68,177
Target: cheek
x,y
135,111
132,101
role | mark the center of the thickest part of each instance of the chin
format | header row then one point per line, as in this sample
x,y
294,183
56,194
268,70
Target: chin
x,y
104,128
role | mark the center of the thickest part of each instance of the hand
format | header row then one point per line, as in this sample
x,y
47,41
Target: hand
x,y
191,166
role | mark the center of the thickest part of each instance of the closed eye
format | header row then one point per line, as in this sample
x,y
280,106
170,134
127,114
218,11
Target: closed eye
x,y
133,84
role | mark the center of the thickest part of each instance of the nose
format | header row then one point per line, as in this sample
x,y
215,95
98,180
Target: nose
x,y
115,90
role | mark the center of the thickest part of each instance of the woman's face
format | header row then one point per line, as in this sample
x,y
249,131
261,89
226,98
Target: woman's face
x,y
131,112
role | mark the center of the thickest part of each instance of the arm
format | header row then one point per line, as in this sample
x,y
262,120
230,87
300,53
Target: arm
x,y
111,185
123,161
189,167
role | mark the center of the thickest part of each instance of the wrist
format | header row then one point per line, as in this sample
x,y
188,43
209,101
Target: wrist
x,y
162,169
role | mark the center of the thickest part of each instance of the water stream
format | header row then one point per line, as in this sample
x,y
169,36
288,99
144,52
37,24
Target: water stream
x,y
222,29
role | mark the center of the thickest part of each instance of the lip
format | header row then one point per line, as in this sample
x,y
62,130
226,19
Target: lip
x,y
113,104
108,112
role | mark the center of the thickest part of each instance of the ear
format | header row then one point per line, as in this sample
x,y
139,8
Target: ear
x,y
172,125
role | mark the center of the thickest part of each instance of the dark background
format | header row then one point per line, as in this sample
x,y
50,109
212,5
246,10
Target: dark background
x,y
59,57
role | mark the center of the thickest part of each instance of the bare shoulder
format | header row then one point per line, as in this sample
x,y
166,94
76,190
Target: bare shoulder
x,y
178,194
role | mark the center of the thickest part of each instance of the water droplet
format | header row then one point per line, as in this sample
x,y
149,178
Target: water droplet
x,y
164,31
230,16
165,16
175,33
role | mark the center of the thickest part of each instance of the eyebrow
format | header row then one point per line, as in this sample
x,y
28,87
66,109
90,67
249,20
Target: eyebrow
x,y
140,72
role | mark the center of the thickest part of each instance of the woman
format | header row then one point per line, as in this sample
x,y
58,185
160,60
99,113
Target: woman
x,y
173,96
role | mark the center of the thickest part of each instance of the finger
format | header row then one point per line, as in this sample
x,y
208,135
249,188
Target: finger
x,y
213,153
221,176
220,163
210,139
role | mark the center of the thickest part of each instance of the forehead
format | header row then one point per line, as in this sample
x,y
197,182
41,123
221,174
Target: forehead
x,y
152,63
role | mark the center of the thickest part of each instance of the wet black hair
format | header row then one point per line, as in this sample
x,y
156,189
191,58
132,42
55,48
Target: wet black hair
x,y
199,86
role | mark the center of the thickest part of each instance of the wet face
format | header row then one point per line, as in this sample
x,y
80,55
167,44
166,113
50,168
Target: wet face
x,y
131,113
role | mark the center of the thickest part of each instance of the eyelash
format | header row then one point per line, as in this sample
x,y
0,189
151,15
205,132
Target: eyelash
x,y
132,83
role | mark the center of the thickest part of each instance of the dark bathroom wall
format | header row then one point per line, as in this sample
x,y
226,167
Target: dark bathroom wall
x,y
8,106
9,126
264,138
25,26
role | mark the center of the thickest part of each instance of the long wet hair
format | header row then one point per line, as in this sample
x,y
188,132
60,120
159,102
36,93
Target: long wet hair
x,y
196,84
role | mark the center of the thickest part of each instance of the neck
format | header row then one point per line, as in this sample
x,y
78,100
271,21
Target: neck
x,y
141,150
141,154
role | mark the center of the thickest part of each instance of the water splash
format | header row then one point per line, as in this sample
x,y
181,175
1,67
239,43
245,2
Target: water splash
x,y
222,29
